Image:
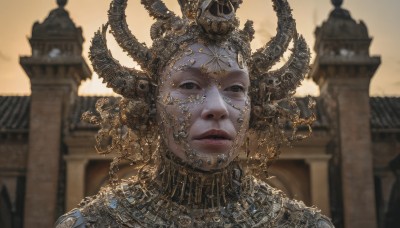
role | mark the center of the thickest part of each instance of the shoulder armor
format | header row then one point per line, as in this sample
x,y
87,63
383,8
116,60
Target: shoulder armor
x,y
73,219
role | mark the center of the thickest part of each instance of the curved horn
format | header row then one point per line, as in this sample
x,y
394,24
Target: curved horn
x,y
286,79
264,58
125,81
126,40
157,9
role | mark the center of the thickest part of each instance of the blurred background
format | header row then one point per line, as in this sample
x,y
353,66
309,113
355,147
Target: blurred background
x,y
349,167
16,19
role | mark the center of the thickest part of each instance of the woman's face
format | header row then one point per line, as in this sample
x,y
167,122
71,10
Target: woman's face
x,y
203,106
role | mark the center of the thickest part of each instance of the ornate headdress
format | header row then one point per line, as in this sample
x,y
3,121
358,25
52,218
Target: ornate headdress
x,y
204,21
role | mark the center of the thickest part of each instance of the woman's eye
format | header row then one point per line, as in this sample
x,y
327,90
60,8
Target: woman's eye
x,y
189,86
236,89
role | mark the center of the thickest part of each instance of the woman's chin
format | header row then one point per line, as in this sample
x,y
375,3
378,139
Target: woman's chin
x,y
209,155
213,160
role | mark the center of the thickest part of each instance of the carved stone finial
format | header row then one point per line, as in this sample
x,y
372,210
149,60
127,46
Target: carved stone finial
x,y
337,3
62,3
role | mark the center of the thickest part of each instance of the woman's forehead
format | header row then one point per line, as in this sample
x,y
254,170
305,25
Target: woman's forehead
x,y
220,77
213,60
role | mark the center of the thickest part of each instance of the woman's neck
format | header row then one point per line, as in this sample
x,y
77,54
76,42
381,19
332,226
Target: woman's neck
x,y
199,189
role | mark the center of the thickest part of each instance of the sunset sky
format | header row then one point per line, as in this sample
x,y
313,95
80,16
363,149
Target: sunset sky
x,y
17,17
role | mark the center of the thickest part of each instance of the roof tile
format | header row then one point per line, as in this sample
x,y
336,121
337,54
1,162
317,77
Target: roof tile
x,y
14,113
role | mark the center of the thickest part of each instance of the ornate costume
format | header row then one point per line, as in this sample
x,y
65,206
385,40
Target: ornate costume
x,y
174,192
235,201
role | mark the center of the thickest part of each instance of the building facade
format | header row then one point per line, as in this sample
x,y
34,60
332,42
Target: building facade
x,y
349,168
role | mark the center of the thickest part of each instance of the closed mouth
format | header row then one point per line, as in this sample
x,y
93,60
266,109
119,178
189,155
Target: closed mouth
x,y
214,135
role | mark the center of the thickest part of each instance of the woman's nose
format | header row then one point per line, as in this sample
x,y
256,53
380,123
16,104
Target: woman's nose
x,y
214,106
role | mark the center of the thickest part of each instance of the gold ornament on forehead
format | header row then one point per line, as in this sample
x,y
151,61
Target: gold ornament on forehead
x,y
240,60
220,58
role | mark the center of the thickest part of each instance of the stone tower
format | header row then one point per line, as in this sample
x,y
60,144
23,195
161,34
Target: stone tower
x,y
343,69
55,69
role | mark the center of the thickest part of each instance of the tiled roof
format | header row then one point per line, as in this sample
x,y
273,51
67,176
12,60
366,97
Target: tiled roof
x,y
14,113
385,113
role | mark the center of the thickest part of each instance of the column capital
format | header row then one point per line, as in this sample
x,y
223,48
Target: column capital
x,y
318,158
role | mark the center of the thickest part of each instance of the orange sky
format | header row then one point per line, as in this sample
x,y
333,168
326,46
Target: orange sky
x,y
17,17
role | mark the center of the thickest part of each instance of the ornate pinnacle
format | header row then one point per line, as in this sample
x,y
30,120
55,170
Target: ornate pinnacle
x,y
337,3
61,3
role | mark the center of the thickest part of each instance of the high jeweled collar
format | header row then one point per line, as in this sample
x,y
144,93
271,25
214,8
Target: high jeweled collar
x,y
199,189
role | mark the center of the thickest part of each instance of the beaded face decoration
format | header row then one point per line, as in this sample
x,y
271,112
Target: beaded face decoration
x,y
206,39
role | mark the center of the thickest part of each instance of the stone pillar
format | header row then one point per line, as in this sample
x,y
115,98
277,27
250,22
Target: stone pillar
x,y
343,69
43,158
76,169
319,180
56,69
356,158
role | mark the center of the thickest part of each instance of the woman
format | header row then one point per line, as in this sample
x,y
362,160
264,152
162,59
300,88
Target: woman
x,y
185,118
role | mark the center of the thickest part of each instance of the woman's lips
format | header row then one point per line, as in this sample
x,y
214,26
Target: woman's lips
x,y
214,135
214,140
